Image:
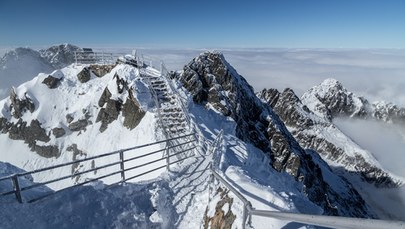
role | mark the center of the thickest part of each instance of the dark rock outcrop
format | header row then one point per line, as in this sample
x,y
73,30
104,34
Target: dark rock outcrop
x,y
98,70
30,135
108,114
51,82
105,96
111,108
84,75
78,125
101,70
20,106
46,151
132,112
58,132
210,79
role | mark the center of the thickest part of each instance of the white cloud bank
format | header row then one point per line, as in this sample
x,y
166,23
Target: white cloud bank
x,y
385,141
375,74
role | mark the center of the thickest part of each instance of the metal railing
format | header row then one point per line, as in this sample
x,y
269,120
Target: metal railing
x,y
90,57
18,188
317,220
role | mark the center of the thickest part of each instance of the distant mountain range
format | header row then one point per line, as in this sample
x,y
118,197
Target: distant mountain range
x,y
22,64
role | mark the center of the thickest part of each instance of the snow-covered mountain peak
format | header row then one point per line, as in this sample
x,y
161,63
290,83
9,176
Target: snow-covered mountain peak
x,y
60,55
330,99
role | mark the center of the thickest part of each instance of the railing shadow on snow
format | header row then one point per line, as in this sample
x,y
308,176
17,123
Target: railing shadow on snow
x,y
18,189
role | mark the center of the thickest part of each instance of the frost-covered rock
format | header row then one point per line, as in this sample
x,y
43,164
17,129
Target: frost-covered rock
x,y
59,56
320,134
331,99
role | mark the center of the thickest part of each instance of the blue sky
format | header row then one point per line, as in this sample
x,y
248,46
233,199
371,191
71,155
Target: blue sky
x,y
205,24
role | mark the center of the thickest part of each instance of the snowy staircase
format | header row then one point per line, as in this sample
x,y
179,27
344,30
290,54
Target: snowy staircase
x,y
171,115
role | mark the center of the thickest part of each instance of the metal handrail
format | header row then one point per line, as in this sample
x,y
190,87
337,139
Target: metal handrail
x,y
317,220
331,221
17,189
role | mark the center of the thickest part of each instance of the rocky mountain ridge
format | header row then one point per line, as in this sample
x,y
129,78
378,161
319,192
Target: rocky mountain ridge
x,y
320,134
215,84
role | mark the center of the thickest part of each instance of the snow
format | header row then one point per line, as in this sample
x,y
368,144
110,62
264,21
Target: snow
x,y
78,100
178,198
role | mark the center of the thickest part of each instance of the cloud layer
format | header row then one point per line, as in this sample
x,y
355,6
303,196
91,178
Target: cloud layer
x,y
385,141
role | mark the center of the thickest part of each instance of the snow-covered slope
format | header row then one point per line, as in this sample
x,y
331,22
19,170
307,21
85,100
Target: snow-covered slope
x,y
22,64
81,111
47,123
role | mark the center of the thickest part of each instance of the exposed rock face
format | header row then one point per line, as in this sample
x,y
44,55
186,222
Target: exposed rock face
x,y
78,125
20,106
47,151
101,70
309,129
285,105
111,108
51,82
98,70
58,132
221,219
132,112
388,112
30,135
210,79
84,75
330,99
108,114
214,83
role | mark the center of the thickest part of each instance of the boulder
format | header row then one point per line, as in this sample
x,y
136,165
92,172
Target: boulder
x,y
84,75
51,82
58,132
78,125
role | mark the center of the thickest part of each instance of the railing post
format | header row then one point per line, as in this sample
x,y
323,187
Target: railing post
x,y
244,216
17,189
76,58
122,167
167,156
